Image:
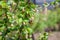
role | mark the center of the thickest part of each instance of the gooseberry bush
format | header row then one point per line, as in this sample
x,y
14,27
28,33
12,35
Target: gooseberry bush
x,y
15,19
19,19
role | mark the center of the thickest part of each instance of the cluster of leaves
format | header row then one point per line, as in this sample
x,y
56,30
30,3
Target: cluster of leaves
x,y
43,36
15,19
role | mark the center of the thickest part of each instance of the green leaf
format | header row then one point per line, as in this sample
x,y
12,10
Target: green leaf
x,y
29,30
20,20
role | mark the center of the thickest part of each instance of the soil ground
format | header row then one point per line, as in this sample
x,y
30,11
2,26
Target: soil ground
x,y
54,36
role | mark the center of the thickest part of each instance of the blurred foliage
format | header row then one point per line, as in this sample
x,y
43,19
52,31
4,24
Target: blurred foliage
x,y
19,19
42,21
58,0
